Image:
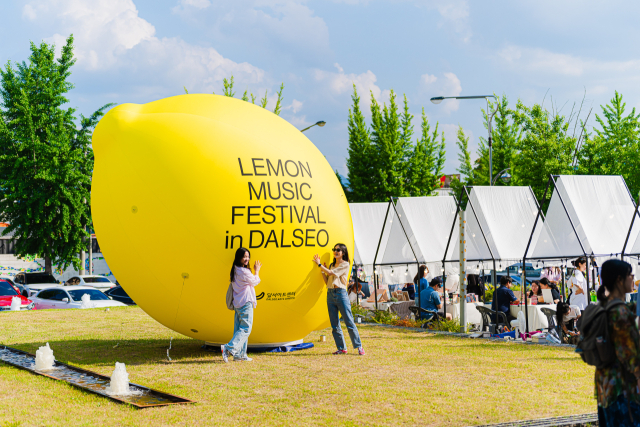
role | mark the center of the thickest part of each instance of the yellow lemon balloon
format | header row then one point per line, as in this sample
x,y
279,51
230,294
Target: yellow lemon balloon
x,y
181,183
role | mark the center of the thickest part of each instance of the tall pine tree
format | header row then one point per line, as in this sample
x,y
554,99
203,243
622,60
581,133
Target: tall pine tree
x,y
361,159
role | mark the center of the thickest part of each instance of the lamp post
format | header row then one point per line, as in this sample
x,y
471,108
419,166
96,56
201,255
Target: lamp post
x,y
320,123
439,99
503,175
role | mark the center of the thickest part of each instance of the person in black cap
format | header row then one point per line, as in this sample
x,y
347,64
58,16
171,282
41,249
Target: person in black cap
x,y
430,299
504,297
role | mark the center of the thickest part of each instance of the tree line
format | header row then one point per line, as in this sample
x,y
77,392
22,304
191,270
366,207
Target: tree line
x,y
530,142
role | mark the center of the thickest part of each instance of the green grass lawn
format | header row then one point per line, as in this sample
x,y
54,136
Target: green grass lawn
x,y
406,378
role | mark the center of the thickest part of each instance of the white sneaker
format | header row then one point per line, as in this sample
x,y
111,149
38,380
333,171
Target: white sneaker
x,y
243,359
224,354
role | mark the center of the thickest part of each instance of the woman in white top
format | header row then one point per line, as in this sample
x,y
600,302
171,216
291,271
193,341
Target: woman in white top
x,y
578,284
244,302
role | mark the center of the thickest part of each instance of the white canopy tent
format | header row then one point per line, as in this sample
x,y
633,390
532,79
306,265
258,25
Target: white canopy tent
x,y
418,237
499,223
368,219
588,215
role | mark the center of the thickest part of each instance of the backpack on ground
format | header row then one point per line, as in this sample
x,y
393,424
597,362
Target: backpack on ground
x,y
595,345
230,297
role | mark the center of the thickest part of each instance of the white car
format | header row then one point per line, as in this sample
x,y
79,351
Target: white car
x,y
34,282
71,297
99,282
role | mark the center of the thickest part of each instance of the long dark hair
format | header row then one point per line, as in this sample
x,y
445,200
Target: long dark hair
x,y
611,270
535,282
576,262
546,282
237,262
420,273
345,253
561,309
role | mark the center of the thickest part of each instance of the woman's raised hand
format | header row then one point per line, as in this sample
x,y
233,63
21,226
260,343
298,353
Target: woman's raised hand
x,y
256,266
316,259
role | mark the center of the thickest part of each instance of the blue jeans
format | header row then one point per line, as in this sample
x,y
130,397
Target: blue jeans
x,y
242,322
338,303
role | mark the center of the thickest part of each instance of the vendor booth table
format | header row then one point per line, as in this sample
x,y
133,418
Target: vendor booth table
x,y
537,319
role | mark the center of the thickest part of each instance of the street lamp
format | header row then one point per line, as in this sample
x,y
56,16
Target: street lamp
x,y
320,123
504,176
439,99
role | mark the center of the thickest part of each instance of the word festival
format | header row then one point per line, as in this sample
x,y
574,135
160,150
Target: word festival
x,y
305,215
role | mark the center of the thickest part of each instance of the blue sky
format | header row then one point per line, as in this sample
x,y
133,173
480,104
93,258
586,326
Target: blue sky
x,y
142,50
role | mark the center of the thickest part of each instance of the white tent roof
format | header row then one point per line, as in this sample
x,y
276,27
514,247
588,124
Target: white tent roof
x,y
427,222
634,248
506,216
600,208
367,225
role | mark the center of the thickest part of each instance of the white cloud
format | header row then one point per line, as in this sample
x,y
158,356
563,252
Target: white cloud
x,y
187,4
455,14
287,27
29,12
447,85
340,83
110,34
538,60
295,106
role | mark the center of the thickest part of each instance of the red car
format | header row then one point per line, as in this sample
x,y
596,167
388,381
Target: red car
x,y
7,292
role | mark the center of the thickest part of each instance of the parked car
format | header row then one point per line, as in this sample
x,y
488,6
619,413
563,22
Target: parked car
x,y
99,282
21,289
7,293
35,282
118,294
71,297
532,273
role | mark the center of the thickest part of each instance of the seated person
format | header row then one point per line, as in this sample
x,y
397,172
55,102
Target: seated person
x,y
535,290
355,290
504,298
546,284
568,314
408,287
430,299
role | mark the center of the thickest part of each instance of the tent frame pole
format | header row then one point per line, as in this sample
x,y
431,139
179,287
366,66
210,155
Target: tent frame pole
x,y
624,248
444,273
555,184
493,258
375,258
408,241
526,251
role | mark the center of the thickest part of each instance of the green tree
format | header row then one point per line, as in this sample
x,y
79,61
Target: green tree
x,y
614,148
361,156
426,162
227,90
389,140
545,147
383,160
467,172
46,160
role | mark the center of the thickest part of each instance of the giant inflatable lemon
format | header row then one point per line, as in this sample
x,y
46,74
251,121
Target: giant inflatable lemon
x,y
179,184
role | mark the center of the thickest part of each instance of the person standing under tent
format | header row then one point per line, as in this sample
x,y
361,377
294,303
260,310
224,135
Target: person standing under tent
x,y
336,278
243,282
474,286
553,274
618,385
577,284
420,281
